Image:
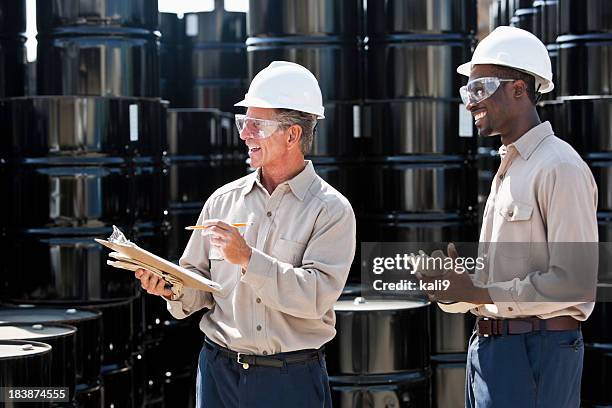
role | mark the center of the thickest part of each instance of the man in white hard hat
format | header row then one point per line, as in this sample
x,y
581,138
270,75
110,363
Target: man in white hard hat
x,y
539,232
265,328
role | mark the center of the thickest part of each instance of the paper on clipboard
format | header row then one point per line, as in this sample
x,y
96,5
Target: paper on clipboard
x,y
134,255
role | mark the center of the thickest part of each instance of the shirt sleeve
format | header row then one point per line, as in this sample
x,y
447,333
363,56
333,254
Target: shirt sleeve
x,y
308,291
567,198
195,258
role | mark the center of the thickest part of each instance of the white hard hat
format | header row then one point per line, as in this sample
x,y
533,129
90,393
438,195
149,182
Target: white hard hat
x,y
285,85
514,48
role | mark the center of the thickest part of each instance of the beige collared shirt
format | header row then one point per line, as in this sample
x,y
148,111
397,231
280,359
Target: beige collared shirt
x,y
543,193
303,240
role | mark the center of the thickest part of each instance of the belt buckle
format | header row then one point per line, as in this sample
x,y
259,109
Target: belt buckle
x,y
245,365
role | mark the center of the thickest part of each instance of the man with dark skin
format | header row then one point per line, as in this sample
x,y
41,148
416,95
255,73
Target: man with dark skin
x,y
538,232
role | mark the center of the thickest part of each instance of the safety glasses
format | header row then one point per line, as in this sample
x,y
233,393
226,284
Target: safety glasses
x,y
480,89
257,128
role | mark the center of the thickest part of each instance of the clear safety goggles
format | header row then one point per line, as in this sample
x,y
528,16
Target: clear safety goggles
x,y
257,128
477,90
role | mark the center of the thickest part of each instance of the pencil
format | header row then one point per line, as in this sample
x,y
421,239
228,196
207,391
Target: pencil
x,y
199,227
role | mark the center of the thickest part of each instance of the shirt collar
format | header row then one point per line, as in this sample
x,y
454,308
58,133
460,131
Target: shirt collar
x,y
529,142
299,184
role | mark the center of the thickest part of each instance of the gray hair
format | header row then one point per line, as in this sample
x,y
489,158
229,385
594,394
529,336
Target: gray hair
x,y
306,121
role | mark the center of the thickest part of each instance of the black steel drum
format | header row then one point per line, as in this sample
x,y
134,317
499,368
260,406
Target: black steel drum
x,y
96,64
118,330
173,76
417,187
593,76
407,228
216,45
63,269
12,48
420,187
219,61
24,364
72,128
597,375
179,217
415,66
417,126
149,195
139,376
514,5
118,382
63,14
596,329
582,17
547,24
154,370
527,19
217,26
180,389
88,335
193,181
66,197
219,94
408,390
590,137
450,332
602,172
90,396
553,111
448,380
12,17
336,65
379,337
61,338
341,132
421,17
330,18
344,177
194,133
12,65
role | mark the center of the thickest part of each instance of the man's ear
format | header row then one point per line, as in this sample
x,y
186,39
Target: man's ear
x,y
295,134
519,88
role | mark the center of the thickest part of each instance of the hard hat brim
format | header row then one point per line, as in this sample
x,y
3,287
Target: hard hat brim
x,y
466,69
250,102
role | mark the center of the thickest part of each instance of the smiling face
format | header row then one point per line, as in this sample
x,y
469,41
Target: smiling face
x,y
493,115
269,151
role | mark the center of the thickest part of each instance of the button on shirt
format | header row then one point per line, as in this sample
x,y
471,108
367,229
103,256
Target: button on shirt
x,y
303,240
542,193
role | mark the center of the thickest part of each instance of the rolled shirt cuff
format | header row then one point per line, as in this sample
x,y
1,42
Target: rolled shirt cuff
x,y
258,269
501,295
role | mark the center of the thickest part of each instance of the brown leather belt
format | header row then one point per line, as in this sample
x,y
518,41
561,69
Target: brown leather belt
x,y
500,327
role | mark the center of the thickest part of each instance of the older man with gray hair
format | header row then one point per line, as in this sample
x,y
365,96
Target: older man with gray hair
x,y
265,329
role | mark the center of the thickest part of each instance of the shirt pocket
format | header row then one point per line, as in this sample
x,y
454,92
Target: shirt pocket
x,y
290,252
514,235
224,273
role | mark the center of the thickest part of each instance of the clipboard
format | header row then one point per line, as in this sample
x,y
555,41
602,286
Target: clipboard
x,y
142,257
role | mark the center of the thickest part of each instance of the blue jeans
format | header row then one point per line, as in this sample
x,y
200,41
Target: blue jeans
x,y
223,383
534,370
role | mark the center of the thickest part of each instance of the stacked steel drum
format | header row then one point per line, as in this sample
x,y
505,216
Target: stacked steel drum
x,y
392,143
12,48
83,154
578,35
419,144
380,355
325,37
204,59
425,144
